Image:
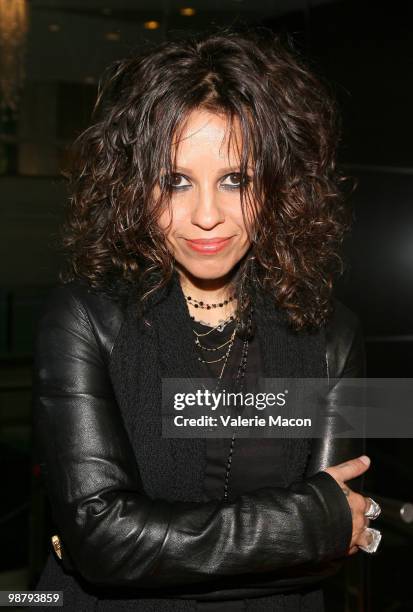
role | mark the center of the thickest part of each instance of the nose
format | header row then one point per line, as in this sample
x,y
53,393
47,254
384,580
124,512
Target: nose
x,y
207,212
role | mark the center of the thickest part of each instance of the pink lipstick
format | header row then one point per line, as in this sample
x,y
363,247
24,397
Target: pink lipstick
x,y
208,245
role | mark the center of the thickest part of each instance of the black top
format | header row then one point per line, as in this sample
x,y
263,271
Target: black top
x,y
255,461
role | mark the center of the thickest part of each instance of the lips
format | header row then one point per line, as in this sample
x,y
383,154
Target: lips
x,y
208,240
208,245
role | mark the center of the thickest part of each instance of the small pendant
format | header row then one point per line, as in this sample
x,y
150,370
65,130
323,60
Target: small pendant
x,y
221,327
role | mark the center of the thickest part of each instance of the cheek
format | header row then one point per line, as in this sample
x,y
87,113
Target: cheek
x,y
169,220
240,222
252,210
176,219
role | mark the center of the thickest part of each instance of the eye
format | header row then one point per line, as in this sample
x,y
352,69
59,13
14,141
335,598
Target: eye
x,y
175,181
235,180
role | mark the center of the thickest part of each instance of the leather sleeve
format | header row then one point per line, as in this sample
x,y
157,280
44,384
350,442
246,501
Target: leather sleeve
x,y
114,534
345,358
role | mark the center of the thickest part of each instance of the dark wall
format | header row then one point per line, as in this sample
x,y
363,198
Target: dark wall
x,y
364,51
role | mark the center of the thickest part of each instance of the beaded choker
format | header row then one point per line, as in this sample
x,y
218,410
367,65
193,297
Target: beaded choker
x,y
201,304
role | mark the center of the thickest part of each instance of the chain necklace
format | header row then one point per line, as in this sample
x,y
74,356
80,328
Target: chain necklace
x,y
208,306
219,326
240,381
215,348
226,355
211,348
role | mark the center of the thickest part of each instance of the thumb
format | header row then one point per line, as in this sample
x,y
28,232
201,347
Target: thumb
x,y
352,468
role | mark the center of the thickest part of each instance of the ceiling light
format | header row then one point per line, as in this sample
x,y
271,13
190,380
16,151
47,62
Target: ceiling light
x,y
112,36
187,11
14,25
151,25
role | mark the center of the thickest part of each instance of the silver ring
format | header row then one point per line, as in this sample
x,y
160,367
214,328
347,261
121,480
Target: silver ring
x,y
375,540
373,511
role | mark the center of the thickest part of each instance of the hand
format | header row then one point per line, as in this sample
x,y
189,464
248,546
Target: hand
x,y
358,503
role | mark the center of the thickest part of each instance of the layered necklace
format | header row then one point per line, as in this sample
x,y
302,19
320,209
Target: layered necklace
x,y
227,345
208,306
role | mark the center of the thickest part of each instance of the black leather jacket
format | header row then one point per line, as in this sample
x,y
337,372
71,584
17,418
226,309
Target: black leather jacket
x,y
114,535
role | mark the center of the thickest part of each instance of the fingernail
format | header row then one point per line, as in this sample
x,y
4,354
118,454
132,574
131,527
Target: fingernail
x,y
365,459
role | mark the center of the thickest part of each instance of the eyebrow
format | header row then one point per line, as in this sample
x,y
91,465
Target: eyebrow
x,y
227,170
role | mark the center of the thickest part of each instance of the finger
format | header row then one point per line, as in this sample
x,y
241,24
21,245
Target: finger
x,y
360,503
350,469
346,490
361,521
360,525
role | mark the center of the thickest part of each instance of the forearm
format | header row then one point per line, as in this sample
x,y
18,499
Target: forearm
x,y
124,538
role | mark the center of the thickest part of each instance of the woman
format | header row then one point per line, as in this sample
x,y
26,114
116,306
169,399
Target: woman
x,y
203,234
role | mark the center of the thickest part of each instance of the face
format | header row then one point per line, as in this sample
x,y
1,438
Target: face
x,y
204,228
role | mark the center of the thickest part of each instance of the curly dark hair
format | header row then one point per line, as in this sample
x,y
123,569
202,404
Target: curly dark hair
x,y
289,127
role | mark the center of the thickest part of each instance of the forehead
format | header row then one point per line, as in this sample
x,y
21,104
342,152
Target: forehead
x,y
206,134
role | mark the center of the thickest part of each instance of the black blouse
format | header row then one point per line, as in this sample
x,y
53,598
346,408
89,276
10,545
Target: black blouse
x,y
255,461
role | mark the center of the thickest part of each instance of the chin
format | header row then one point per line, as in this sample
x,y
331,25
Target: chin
x,y
207,270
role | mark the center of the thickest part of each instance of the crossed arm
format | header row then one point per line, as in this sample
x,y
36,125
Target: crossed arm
x,y
114,534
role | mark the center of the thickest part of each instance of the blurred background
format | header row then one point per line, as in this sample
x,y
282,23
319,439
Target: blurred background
x,y
52,53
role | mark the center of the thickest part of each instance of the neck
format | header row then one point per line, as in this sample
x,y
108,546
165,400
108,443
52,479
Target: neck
x,y
209,291
214,290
